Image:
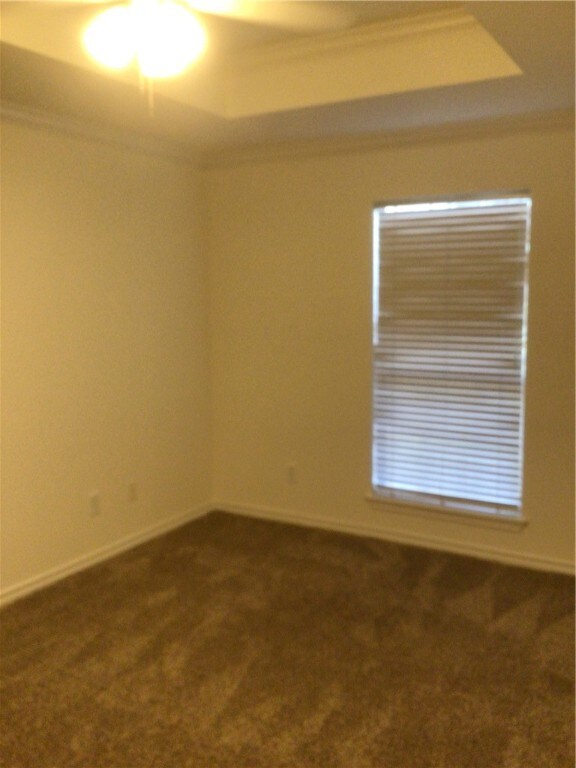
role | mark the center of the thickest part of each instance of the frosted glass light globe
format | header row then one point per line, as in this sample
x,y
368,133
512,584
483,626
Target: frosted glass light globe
x,y
169,38
109,38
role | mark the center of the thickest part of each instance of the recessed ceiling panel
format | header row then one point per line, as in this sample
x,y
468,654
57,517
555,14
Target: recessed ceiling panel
x,y
397,56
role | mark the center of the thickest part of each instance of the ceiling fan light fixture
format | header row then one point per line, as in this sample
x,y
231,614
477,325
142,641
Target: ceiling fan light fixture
x,y
109,38
169,38
161,36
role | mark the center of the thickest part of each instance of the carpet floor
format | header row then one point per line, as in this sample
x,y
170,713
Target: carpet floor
x,y
238,643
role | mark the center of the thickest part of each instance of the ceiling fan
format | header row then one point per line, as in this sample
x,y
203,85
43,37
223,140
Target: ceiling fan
x,y
162,38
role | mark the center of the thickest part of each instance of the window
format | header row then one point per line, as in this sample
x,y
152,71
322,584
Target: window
x,y
449,352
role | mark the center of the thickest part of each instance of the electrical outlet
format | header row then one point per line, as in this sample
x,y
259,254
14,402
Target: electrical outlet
x,y
291,474
95,504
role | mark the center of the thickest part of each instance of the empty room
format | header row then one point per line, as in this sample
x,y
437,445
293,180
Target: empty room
x,y
287,384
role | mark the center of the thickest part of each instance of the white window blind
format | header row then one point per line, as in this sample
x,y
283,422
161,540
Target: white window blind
x,y
450,299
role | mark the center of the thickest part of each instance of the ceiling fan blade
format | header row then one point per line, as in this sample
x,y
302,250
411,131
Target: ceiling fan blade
x,y
291,14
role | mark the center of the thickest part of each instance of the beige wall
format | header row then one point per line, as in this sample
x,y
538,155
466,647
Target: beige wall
x,y
104,348
111,374
290,292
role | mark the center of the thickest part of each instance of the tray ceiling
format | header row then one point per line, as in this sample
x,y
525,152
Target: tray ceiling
x,y
397,66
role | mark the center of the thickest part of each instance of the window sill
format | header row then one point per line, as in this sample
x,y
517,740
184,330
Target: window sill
x,y
448,515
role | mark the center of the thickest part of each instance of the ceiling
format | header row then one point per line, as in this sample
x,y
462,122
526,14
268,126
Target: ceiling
x,y
395,67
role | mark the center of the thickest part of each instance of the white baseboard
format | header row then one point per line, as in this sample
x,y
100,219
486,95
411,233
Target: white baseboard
x,y
441,544
94,557
52,575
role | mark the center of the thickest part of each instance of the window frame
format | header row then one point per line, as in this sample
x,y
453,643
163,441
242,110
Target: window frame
x,y
421,502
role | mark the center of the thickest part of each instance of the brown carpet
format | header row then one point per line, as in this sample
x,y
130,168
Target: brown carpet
x,y
237,643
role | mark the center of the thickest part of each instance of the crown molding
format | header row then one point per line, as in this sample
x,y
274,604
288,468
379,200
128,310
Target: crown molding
x,y
86,129
222,157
